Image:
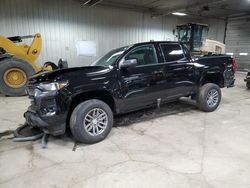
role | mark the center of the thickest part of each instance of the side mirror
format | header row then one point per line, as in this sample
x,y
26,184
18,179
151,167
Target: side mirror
x,y
62,64
128,63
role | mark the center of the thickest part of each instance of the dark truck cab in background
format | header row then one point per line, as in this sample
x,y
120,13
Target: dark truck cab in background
x,y
124,80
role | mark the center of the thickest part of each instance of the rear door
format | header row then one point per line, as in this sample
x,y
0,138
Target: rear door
x,y
178,71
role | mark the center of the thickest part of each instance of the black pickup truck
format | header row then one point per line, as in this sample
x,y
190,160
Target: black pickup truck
x,y
124,80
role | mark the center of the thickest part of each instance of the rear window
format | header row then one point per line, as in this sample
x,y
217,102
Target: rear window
x,y
172,52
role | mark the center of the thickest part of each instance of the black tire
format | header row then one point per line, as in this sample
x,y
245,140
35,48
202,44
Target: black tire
x,y
248,85
203,101
10,63
78,117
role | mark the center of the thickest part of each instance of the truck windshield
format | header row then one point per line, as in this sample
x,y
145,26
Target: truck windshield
x,y
110,58
184,34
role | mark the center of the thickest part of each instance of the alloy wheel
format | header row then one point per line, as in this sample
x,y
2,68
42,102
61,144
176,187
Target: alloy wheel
x,y
95,121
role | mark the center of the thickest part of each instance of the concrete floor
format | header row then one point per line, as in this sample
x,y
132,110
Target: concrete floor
x,y
177,147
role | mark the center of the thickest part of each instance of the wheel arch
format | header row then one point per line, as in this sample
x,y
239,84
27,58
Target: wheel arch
x,y
101,94
213,77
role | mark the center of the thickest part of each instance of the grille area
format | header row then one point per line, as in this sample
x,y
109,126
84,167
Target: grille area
x,y
30,90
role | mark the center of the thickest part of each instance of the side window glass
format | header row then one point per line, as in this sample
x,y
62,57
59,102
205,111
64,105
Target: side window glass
x,y
172,52
145,55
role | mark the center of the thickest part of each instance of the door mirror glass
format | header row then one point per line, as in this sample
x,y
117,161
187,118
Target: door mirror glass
x,y
128,63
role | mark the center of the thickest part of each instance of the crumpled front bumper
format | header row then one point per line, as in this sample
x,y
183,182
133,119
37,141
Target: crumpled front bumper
x,y
48,111
51,125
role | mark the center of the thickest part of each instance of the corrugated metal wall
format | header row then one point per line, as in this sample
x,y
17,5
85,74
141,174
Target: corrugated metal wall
x,y
64,22
238,40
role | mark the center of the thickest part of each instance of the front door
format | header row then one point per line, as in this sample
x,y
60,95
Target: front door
x,y
139,84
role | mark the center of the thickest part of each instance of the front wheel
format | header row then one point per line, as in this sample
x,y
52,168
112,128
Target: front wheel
x,y
209,97
91,121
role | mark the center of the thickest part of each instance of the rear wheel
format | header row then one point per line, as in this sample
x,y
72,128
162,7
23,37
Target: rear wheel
x,y
209,97
91,121
14,74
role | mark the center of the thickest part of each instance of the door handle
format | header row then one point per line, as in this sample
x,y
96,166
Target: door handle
x,y
157,76
158,72
189,67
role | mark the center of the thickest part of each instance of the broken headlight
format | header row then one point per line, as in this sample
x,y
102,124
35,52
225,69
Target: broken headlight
x,y
52,86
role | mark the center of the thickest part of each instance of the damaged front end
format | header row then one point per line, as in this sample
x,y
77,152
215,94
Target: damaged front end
x,y
49,104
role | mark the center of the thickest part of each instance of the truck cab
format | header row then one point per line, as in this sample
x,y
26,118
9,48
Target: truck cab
x,y
195,36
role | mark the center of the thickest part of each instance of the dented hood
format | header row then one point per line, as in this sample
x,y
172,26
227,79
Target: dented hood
x,y
87,70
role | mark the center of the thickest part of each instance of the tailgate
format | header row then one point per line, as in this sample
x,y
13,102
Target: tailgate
x,y
229,73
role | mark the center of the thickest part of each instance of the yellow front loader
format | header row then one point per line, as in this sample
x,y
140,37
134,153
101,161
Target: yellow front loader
x,y
17,63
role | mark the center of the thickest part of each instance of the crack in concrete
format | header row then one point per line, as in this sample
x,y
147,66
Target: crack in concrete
x,y
203,143
9,120
17,176
14,148
31,164
159,140
141,132
119,148
148,162
107,170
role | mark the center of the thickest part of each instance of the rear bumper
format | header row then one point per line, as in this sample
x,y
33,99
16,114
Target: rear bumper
x,y
229,77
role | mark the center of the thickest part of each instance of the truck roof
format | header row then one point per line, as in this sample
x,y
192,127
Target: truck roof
x,y
157,42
